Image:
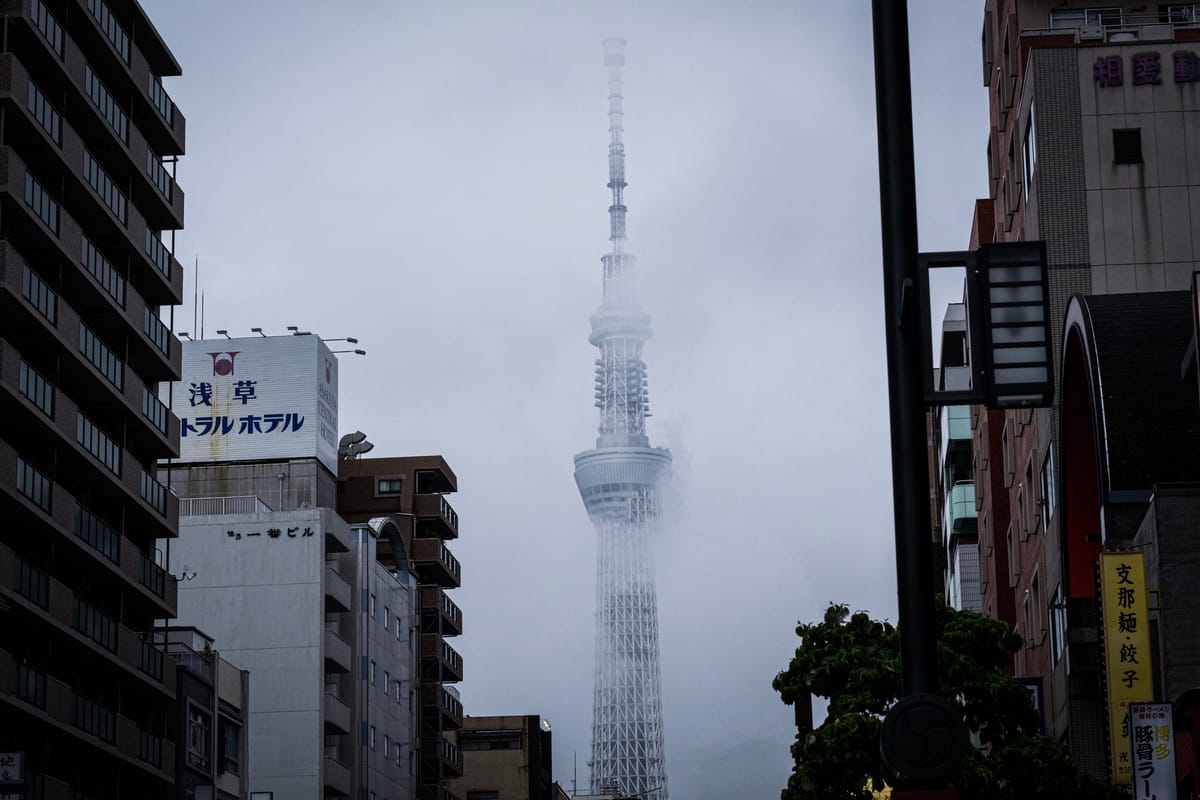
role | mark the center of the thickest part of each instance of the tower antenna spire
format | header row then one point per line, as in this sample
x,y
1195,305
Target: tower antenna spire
x,y
614,59
621,481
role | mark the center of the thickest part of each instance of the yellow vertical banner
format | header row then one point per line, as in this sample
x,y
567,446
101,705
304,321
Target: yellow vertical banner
x,y
1127,658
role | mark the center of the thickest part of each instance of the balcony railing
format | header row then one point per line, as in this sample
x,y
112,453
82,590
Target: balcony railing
x,y
205,506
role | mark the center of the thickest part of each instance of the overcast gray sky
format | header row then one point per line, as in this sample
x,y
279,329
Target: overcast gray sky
x,y
430,178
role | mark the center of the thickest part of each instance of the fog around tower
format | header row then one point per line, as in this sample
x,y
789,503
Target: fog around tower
x,y
430,178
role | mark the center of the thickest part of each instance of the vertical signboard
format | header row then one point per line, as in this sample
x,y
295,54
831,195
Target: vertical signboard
x,y
1127,662
257,399
1153,751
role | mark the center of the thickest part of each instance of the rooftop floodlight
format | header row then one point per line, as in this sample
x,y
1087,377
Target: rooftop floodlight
x,y
349,339
184,335
292,328
225,334
259,331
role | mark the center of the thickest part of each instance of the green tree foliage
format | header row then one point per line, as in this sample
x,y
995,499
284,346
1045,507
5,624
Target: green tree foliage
x,y
854,662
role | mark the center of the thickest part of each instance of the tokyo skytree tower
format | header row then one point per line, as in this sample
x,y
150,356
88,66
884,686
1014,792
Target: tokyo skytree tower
x,y
620,482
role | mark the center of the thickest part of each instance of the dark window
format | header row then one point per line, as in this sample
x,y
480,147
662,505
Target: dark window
x,y
230,734
31,685
389,485
489,740
37,389
1127,145
199,725
33,584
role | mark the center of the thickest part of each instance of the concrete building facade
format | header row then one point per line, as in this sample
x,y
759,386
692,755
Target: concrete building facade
x,y
1093,109
210,719
505,758
87,192
406,497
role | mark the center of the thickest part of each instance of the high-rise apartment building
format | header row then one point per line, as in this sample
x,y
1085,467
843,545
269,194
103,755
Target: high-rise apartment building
x,y
408,496
87,190
1093,111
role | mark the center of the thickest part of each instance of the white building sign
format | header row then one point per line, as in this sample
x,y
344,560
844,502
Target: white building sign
x,y
257,399
1153,740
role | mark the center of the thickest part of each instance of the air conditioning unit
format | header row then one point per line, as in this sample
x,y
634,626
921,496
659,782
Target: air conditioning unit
x,y
1091,33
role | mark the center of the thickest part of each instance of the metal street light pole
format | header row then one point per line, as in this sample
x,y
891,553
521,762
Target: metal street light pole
x,y
922,735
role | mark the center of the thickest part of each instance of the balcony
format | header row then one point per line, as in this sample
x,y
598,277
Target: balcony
x,y
439,614
439,661
337,592
960,509
337,716
435,517
337,778
56,705
337,653
434,563
207,506
437,699
444,753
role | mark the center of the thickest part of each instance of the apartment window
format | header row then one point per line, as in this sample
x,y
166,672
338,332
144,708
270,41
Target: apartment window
x,y
33,484
1182,12
103,271
1014,569
154,409
101,356
1067,18
158,252
389,485
94,718
31,685
412,769
396,753
1029,152
1127,145
372,737
489,740
396,686
387,745
157,331
112,29
33,584
372,607
161,100
1058,626
98,534
46,114
38,199
199,729
96,442
39,294
1006,451
103,185
229,734
48,25
397,629
1047,481
98,627
387,618
1036,629
37,389
158,174
387,681
412,638
99,94
372,672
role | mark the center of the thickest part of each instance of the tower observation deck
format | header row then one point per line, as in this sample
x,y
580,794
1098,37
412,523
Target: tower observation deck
x,y
620,481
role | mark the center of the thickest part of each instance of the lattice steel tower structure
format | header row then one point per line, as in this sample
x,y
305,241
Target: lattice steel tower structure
x,y
620,482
